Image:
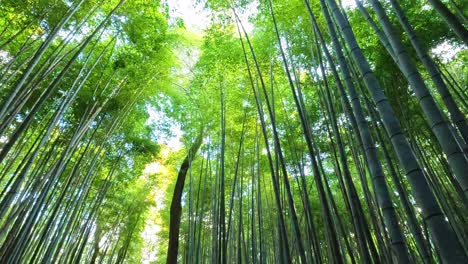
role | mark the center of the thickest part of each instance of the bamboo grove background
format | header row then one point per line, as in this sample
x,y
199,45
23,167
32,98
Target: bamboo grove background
x,y
326,134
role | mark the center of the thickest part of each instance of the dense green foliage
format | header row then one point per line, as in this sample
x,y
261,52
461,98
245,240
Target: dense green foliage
x,y
321,143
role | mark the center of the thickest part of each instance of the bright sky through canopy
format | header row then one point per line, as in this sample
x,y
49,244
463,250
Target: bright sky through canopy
x,y
196,18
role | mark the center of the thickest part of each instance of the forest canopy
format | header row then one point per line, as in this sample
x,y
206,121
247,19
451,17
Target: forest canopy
x,y
233,131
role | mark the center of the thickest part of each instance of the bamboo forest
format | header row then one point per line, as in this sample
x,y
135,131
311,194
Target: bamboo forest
x,y
233,131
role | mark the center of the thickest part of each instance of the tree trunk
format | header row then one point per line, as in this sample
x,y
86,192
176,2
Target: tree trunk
x,y
450,19
176,203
